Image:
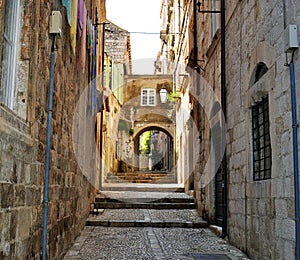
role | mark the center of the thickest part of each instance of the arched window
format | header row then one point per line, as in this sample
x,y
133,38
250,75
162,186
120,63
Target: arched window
x,y
261,69
261,141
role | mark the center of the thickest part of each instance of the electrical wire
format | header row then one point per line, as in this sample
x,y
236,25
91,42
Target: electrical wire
x,y
154,33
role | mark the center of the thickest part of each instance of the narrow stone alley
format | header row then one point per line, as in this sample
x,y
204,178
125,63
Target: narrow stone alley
x,y
148,225
182,146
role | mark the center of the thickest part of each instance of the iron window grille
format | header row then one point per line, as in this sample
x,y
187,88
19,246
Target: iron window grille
x,y
262,153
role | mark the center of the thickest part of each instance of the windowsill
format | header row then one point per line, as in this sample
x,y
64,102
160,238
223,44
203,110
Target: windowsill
x,y
12,124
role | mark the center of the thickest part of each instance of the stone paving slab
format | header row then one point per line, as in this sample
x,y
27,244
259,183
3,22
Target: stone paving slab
x,y
175,215
121,214
148,243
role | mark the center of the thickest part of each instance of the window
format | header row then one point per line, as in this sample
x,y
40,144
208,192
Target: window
x,y
10,46
148,97
262,157
214,18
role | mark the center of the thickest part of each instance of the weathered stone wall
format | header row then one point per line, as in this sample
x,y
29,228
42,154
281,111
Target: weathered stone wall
x,y
206,94
22,145
261,213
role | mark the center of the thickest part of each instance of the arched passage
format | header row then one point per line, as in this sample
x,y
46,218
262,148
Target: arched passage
x,y
154,147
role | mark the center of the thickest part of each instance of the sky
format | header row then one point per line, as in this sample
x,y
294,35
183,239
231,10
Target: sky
x,y
138,16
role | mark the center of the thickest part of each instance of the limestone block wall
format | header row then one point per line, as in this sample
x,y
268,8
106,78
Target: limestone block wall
x,y
260,213
22,143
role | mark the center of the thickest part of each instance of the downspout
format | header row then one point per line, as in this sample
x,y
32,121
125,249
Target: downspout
x,y
295,155
295,144
195,38
197,68
48,146
102,103
224,105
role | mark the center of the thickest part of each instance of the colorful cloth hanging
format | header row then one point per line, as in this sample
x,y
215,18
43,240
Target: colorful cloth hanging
x,y
68,5
80,16
74,24
83,41
90,33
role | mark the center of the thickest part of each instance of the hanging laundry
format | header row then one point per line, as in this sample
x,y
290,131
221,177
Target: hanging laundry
x,y
83,41
68,5
80,16
74,24
90,33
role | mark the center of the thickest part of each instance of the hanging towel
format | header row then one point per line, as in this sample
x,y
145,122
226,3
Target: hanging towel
x,y
83,41
74,24
80,16
68,5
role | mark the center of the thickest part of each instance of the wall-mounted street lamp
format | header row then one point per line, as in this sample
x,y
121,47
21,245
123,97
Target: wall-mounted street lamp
x,y
163,94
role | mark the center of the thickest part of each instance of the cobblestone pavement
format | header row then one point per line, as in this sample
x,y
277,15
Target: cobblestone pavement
x,y
149,243
180,239
149,215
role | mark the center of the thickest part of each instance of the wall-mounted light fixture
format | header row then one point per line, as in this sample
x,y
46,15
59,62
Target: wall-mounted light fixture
x,y
163,94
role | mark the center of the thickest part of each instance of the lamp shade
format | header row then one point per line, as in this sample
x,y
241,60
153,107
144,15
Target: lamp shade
x,y
163,95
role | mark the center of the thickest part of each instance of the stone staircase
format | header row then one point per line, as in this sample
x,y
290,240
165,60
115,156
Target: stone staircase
x,y
145,209
141,177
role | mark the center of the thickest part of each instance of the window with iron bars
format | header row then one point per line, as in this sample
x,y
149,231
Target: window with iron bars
x,y
262,153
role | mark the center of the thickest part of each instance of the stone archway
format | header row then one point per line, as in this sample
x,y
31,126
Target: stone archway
x,y
159,155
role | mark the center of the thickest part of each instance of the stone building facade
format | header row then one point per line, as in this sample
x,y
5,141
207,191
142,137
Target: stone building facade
x,y
143,110
117,64
259,208
261,218
25,46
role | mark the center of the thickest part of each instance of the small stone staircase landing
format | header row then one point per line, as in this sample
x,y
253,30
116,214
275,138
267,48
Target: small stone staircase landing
x,y
145,209
156,177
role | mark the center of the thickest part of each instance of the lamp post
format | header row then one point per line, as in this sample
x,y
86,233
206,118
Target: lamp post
x,y
163,95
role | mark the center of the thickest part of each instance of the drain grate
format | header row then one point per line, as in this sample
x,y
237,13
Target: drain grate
x,y
210,257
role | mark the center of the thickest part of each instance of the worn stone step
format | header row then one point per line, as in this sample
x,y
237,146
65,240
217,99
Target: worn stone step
x,y
134,174
125,205
142,223
145,200
152,187
137,180
141,177
164,218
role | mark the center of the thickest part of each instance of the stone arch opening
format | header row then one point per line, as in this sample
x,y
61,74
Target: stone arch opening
x,y
259,70
153,146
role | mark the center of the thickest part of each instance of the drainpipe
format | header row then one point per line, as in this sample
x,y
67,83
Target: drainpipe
x,y
102,105
196,67
195,34
224,105
48,145
295,155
